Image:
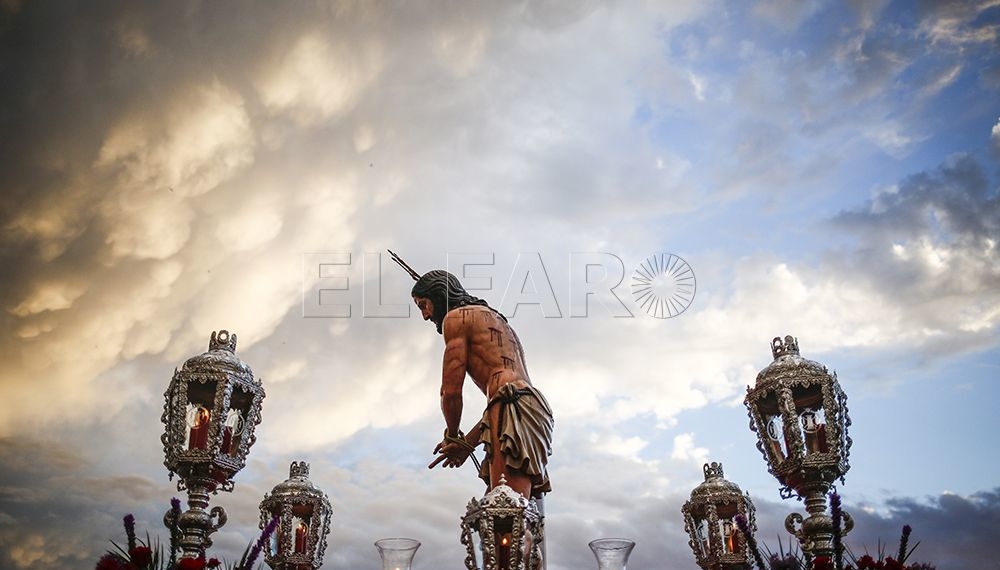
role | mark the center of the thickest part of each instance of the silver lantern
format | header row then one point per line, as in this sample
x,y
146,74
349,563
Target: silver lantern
x,y
209,414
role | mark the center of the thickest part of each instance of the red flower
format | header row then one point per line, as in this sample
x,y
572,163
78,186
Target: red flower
x,y
213,563
822,563
866,562
111,562
893,564
191,564
141,556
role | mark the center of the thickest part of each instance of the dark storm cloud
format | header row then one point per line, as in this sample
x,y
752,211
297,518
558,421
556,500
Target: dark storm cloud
x,y
955,532
933,242
55,509
953,203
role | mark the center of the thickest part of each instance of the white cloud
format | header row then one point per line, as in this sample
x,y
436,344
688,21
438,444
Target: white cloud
x,y
316,79
995,139
685,450
200,139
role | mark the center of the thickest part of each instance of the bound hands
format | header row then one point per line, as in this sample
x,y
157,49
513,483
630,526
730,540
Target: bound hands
x,y
453,451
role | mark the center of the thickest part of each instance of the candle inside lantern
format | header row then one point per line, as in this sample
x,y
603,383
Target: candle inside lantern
x,y
504,554
815,433
300,537
729,539
198,435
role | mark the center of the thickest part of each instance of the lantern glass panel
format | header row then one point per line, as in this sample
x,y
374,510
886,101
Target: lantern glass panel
x,y
236,420
727,530
201,403
701,531
503,530
774,436
300,534
813,422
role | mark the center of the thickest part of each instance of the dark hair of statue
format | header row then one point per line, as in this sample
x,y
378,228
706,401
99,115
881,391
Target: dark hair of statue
x,y
446,293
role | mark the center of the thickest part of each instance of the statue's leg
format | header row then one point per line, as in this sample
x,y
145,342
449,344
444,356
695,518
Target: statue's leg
x,y
516,479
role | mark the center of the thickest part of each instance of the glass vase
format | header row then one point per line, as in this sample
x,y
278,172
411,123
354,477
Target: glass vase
x,y
397,553
612,553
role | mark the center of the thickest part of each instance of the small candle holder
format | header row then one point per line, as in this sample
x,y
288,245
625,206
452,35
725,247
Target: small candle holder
x,y
397,553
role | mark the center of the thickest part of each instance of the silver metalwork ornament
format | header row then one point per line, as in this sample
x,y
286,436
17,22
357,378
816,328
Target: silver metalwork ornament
x,y
304,514
710,521
799,413
508,525
210,411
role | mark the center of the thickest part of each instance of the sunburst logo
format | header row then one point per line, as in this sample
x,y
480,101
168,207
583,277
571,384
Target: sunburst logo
x,y
663,285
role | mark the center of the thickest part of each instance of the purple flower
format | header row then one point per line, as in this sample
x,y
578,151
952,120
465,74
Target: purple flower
x,y
744,526
907,529
129,522
838,516
175,534
265,535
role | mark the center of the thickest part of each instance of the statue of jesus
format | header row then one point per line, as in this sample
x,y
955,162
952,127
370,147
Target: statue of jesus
x,y
516,427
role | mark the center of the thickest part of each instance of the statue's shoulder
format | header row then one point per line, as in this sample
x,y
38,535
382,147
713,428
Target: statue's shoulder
x,y
468,315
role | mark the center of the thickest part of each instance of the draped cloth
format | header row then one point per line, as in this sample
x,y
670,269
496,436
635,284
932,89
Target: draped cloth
x,y
524,428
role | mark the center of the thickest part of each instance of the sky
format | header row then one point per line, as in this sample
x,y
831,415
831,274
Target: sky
x,y
825,169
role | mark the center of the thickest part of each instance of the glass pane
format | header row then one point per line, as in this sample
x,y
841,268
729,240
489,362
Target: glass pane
x,y
198,415
774,436
236,421
301,529
814,430
728,531
274,541
702,533
232,432
198,420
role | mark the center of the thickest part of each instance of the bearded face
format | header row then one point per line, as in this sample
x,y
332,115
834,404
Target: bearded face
x,y
440,292
431,311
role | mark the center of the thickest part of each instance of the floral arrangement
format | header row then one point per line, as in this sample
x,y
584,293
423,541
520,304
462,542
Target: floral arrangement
x,y
138,554
796,560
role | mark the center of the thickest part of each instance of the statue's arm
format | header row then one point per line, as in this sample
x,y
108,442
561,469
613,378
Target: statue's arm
x,y
453,370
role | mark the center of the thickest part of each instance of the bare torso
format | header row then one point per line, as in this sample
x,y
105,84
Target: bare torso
x,y
494,354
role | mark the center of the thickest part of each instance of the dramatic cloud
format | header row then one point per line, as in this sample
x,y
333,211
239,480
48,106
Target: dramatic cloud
x,y
932,241
178,169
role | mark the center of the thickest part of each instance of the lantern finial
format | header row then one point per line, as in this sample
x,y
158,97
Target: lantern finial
x,y
298,470
713,470
788,347
223,340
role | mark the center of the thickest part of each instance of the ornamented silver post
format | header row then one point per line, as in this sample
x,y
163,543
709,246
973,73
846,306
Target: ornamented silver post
x,y
210,411
799,413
